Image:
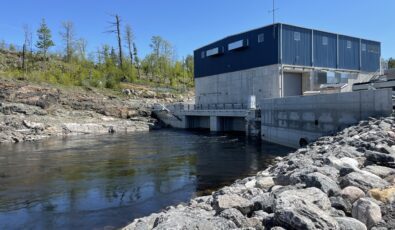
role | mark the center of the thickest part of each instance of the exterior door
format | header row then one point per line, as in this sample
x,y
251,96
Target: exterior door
x,y
292,84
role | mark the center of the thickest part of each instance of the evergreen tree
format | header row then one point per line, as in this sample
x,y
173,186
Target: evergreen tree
x,y
44,41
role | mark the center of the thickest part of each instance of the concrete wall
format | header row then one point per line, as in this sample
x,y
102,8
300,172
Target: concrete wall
x,y
286,121
236,87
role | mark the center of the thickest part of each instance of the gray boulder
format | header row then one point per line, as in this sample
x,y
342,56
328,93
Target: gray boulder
x,y
263,202
347,223
363,180
381,158
340,203
185,218
322,182
236,217
311,195
367,211
226,201
264,182
301,214
380,171
352,193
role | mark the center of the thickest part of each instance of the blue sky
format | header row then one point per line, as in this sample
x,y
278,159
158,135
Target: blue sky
x,y
190,24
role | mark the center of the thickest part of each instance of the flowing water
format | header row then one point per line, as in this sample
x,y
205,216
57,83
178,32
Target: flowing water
x,y
104,182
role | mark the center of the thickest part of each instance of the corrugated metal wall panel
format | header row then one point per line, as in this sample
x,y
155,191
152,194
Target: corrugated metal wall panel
x,y
370,55
255,55
296,46
348,53
325,49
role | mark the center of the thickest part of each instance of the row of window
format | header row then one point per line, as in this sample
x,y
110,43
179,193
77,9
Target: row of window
x,y
261,38
231,46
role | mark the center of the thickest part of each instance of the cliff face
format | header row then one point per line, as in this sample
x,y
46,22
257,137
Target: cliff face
x,y
346,181
31,112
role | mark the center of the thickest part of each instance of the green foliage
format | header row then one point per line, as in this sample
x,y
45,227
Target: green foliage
x,y
101,69
391,63
44,35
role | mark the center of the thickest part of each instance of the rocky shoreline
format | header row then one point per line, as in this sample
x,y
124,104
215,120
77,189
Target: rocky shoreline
x,y
346,181
31,112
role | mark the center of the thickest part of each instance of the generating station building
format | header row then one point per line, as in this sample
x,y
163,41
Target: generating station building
x,y
280,60
301,79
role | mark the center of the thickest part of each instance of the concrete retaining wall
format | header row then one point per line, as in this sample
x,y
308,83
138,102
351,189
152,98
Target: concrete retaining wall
x,y
287,121
236,87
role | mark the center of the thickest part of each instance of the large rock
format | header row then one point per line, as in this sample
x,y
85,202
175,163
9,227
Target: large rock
x,y
311,195
236,217
367,211
352,193
379,158
386,195
301,214
322,182
340,203
363,180
222,202
347,223
263,202
184,218
380,171
264,182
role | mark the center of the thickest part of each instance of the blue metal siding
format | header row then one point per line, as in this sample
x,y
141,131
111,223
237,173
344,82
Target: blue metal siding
x,y
254,55
370,56
296,52
325,49
287,50
348,56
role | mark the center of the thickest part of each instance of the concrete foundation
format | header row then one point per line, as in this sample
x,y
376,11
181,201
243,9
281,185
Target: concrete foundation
x,y
293,121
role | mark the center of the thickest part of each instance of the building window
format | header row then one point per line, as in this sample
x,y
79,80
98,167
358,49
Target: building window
x,y
236,45
363,47
297,36
349,45
261,38
212,52
203,54
325,41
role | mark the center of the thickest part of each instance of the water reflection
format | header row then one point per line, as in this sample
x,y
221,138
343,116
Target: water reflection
x,y
90,182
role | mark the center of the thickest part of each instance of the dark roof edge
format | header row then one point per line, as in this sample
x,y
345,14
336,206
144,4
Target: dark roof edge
x,y
301,27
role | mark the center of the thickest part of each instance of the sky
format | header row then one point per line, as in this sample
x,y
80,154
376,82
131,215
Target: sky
x,y
189,24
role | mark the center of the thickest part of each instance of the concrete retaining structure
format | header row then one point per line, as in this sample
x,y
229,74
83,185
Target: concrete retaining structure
x,y
293,121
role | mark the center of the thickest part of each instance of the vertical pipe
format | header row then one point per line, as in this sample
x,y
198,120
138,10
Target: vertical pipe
x,y
360,54
312,47
281,43
337,51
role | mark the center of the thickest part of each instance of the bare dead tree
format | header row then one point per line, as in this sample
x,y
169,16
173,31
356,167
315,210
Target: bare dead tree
x,y
116,29
129,37
68,38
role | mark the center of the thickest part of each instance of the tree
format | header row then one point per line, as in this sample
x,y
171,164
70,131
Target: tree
x,y
136,59
81,45
391,63
129,37
44,41
68,38
117,30
160,60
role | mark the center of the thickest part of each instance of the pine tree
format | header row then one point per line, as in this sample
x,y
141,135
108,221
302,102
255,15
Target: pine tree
x,y
44,41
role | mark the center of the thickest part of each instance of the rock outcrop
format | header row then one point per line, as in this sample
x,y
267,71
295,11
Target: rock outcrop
x,y
30,112
343,182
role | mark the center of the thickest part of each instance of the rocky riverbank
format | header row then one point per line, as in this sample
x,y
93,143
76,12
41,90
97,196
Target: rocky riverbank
x,y
346,181
30,112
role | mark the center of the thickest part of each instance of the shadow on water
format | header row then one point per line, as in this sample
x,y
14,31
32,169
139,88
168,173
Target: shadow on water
x,y
96,182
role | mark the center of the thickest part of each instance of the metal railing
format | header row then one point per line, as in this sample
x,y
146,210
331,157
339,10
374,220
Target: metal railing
x,y
218,106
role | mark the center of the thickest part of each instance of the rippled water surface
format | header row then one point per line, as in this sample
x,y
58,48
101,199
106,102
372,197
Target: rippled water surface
x,y
97,182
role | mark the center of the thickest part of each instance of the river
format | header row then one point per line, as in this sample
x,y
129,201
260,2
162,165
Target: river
x,y
105,181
